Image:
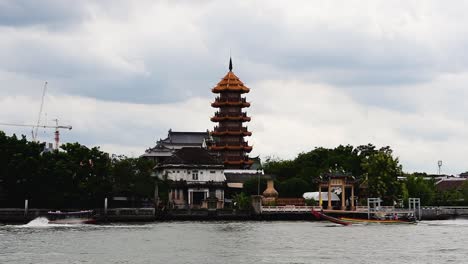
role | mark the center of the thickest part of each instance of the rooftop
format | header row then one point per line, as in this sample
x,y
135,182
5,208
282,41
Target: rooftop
x,y
192,156
183,137
448,184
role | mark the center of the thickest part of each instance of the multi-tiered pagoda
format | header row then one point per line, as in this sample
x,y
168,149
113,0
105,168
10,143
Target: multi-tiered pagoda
x,y
229,133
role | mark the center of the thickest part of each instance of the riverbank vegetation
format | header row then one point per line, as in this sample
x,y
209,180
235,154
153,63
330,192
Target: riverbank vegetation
x,y
377,171
75,177
80,177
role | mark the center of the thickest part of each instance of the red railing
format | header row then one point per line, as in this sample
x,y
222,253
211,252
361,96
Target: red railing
x,y
219,114
228,100
233,129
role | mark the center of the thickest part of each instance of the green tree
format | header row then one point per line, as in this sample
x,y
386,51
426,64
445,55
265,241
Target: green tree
x,y
464,191
418,187
382,171
294,187
242,201
250,187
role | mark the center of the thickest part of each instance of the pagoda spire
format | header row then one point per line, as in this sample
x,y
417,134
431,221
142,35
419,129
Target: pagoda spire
x,y
230,64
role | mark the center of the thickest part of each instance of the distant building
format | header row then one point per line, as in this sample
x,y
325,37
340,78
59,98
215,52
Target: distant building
x,y
174,141
196,178
450,184
229,133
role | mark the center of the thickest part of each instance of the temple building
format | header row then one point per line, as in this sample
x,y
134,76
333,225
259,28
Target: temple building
x,y
176,140
229,134
196,179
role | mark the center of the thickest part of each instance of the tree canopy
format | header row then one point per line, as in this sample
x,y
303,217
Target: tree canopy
x,y
76,176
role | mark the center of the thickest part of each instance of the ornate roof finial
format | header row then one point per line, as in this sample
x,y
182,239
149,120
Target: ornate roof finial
x,y
230,64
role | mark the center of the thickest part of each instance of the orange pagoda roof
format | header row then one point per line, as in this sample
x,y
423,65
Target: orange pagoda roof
x,y
230,83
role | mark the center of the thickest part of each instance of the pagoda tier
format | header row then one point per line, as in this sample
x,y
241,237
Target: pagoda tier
x,y
229,134
230,102
219,117
243,147
242,131
238,163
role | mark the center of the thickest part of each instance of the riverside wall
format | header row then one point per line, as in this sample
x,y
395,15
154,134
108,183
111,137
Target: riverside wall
x,y
20,215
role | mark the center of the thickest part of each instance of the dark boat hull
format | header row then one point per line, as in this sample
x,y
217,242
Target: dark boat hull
x,y
374,221
320,215
71,218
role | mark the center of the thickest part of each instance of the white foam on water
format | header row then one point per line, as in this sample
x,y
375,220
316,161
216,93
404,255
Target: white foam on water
x,y
37,222
453,222
41,222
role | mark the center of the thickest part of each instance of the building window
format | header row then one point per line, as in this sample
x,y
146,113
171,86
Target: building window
x,y
212,171
201,172
177,171
194,175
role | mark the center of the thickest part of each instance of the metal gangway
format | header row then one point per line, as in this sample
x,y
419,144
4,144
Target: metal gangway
x,y
415,206
374,207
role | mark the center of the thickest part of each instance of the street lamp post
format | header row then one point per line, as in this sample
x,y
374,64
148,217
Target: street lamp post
x,y
439,163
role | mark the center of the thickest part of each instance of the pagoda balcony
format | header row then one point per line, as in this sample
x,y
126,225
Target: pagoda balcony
x,y
220,102
222,131
238,160
242,146
230,117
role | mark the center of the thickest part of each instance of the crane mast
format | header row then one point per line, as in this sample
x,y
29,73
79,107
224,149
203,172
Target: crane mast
x,y
38,124
34,134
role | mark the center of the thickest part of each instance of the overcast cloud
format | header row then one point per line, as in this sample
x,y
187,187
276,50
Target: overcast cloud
x,y
321,73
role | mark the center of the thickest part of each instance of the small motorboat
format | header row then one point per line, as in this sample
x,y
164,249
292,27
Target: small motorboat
x,y
320,215
71,218
376,221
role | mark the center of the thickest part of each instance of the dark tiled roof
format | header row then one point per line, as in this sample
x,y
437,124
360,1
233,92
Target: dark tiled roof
x,y
186,137
450,184
197,156
176,140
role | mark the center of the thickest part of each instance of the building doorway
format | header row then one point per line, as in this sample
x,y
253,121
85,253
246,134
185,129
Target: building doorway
x,y
198,198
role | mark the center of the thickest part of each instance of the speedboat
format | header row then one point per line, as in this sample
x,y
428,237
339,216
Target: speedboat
x,y
71,218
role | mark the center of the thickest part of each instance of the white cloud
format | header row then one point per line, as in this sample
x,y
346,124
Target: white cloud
x,y
322,73
288,117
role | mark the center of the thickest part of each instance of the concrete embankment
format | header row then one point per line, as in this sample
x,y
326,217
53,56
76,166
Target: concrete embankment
x,y
444,212
17,215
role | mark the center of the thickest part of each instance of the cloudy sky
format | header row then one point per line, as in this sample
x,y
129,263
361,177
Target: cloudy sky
x,y
321,73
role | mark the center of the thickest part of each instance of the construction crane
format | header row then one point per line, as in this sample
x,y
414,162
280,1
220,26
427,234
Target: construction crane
x,y
56,127
34,131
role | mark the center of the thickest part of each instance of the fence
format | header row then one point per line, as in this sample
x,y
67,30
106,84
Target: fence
x,y
289,209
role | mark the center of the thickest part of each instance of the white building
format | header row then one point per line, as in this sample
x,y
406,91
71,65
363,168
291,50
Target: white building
x,y
196,178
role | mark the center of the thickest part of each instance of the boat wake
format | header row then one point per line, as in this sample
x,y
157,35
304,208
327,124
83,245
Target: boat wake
x,y
41,222
454,222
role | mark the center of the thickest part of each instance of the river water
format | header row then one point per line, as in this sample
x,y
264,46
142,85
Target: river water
x,y
235,242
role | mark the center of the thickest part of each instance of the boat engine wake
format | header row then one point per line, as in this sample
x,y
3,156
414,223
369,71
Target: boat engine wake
x,y
41,222
37,222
